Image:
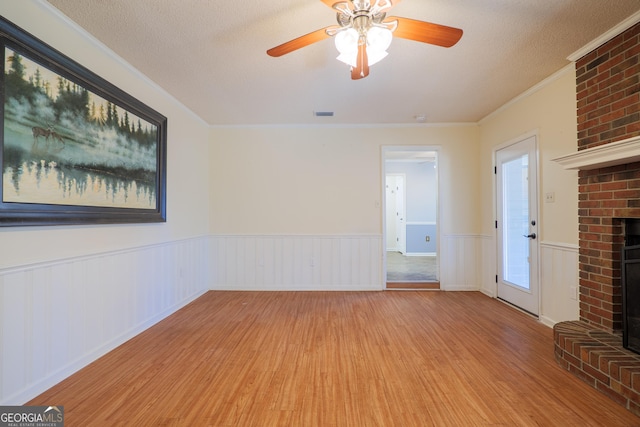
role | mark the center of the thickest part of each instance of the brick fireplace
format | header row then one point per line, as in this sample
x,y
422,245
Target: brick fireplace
x,y
608,97
608,110
606,197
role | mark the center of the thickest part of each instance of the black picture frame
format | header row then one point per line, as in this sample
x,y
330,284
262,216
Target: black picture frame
x,y
74,148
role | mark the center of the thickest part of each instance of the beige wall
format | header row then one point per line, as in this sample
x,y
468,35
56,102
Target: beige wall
x,y
327,180
187,185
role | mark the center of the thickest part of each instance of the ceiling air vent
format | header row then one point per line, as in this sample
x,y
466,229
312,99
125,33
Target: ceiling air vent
x,y
323,113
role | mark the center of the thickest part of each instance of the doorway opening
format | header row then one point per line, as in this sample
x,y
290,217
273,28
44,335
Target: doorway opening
x,y
411,233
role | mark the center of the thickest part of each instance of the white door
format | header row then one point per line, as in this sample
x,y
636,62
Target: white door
x,y
517,224
396,205
392,234
401,223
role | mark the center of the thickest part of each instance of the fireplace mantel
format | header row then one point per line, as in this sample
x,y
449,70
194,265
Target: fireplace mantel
x,y
612,154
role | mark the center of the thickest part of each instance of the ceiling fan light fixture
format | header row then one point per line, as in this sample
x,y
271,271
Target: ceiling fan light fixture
x,y
347,41
374,56
347,59
378,41
379,38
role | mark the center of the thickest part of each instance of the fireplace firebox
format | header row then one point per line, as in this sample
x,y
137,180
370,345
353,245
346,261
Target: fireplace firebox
x,y
631,286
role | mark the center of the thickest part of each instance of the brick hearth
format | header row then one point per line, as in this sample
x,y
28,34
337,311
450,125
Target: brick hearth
x,y
598,358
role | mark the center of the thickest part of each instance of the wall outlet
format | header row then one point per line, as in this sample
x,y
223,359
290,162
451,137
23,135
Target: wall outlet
x,y
573,293
550,197
427,238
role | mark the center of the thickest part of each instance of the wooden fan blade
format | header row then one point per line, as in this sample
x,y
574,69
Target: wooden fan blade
x,y
361,70
330,3
300,42
425,32
392,3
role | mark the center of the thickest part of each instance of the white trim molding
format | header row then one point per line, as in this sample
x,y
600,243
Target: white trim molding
x,y
612,154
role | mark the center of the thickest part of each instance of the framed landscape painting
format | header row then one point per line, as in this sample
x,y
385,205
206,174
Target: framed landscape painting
x,y
74,148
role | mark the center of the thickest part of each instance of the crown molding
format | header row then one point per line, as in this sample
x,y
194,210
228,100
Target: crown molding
x,y
599,41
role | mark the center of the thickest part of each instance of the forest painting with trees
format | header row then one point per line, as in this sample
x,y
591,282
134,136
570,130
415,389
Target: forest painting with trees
x,y
65,145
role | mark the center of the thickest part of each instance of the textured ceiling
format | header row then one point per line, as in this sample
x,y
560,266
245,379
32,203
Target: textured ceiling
x,y
211,56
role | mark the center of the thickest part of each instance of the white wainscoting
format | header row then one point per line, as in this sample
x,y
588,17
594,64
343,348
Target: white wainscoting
x,y
59,316
291,262
285,262
488,266
559,282
461,265
559,278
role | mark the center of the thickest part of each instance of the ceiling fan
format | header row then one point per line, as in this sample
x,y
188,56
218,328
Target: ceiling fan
x,y
364,33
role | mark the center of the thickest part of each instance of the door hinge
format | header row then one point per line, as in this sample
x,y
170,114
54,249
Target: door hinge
x,y
496,278
496,223
495,170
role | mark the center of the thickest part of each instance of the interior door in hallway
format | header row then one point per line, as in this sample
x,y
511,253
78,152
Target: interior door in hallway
x,y
517,210
396,223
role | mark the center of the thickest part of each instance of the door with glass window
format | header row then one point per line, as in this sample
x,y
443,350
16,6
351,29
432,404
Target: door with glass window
x,y
517,207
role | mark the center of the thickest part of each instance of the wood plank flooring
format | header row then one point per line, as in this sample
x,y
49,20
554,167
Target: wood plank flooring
x,y
393,358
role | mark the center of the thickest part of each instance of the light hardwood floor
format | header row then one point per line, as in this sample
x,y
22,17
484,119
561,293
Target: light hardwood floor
x,y
394,358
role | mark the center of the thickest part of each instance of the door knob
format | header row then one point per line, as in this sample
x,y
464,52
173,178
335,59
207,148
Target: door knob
x,y
530,236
